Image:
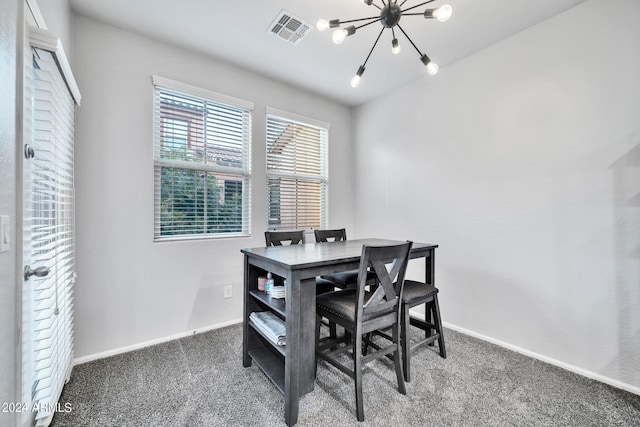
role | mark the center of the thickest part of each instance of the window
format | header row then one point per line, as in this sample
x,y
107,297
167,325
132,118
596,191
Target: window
x,y
297,171
202,162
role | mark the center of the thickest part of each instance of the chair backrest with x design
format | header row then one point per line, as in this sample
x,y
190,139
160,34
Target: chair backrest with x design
x,y
337,235
277,238
380,308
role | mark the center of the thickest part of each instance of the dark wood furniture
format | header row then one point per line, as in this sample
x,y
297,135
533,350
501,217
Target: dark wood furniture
x,y
325,236
277,238
414,294
362,312
292,367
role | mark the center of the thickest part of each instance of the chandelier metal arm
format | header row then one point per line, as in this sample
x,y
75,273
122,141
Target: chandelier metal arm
x,y
410,41
418,5
413,14
373,47
377,18
403,2
368,23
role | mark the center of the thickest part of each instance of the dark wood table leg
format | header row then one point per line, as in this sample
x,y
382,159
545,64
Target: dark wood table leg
x,y
246,359
291,364
249,339
300,352
308,335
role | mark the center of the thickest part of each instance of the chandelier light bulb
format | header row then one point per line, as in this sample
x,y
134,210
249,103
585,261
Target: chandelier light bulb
x,y
443,13
395,46
322,25
355,81
432,67
339,35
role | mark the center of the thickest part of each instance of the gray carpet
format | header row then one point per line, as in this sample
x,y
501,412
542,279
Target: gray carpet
x,y
200,381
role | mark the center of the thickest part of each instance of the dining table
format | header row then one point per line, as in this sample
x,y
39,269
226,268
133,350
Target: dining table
x,y
291,367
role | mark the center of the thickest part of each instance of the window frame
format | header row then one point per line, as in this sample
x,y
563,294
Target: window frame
x,y
203,169
322,177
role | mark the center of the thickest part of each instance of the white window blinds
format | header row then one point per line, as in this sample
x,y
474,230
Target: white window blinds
x,y
297,171
202,158
50,222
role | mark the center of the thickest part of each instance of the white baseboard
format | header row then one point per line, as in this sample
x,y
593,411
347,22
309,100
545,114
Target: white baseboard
x,y
126,349
580,371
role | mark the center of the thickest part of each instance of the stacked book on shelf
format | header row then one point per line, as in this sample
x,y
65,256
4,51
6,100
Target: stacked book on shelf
x,y
273,328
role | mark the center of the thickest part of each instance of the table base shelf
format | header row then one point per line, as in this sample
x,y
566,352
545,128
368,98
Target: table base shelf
x,y
271,365
279,348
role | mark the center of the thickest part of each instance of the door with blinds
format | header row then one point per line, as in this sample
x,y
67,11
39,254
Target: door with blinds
x,y
48,227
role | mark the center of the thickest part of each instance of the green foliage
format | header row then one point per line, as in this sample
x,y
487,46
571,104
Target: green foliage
x,y
193,202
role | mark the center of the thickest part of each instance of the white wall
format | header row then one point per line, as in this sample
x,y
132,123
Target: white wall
x,y
129,289
57,16
10,27
523,163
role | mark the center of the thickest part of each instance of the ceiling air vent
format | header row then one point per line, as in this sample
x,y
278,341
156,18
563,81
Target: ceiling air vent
x,y
289,28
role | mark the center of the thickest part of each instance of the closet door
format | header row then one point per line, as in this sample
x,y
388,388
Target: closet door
x,y
48,226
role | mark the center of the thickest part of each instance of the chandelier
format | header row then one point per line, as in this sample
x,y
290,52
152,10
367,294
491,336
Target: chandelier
x,y
390,14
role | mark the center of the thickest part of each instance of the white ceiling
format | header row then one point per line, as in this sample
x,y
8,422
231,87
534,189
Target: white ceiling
x,y
237,32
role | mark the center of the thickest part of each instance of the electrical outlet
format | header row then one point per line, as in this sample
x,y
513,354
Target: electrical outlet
x,y
228,291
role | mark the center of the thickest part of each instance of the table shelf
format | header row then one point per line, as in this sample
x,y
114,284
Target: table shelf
x,y
269,356
275,304
271,365
279,348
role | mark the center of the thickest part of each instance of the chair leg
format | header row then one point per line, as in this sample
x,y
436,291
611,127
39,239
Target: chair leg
x,y
404,341
315,354
357,371
438,322
428,317
365,346
396,359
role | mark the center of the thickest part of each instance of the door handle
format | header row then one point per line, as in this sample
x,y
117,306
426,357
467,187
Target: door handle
x,y
29,152
38,272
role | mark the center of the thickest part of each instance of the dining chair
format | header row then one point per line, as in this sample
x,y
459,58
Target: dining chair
x,y
360,312
335,235
277,238
415,294
345,279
